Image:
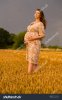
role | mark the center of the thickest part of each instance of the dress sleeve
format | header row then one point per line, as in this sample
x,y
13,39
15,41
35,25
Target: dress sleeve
x,y
41,30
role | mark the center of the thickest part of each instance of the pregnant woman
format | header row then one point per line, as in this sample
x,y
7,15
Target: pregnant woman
x,y
32,39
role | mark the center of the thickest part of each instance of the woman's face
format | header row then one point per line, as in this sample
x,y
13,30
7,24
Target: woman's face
x,y
37,14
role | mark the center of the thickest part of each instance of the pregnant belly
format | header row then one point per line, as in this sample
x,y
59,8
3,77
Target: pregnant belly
x,y
31,34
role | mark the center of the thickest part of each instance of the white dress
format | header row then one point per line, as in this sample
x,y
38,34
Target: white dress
x,y
33,47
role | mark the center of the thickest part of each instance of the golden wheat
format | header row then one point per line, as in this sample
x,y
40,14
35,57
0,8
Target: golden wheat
x,y
15,79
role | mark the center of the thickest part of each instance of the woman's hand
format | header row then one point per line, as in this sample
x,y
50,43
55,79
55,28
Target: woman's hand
x,y
34,38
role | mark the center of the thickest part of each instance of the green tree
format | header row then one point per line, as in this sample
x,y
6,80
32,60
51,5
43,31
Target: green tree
x,y
4,38
19,40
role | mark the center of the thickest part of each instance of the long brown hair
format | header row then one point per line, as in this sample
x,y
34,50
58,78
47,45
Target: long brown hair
x,y
42,17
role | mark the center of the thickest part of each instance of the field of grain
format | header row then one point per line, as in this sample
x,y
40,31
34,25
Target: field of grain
x,y
15,79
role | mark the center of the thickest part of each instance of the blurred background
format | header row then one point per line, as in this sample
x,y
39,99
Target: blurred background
x,y
16,15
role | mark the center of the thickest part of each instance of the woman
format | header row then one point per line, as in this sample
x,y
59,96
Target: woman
x,y
32,39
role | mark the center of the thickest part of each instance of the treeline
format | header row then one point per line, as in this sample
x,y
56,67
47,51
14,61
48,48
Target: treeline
x,y
11,40
51,46
16,41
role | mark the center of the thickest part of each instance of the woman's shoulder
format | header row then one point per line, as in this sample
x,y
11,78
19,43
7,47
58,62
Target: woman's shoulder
x,y
40,23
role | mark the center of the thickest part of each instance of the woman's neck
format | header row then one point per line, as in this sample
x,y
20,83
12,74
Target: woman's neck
x,y
37,20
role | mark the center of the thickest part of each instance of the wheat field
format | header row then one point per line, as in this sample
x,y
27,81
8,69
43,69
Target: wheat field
x,y
15,79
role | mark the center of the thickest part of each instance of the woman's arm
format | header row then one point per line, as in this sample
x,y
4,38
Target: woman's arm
x,y
38,37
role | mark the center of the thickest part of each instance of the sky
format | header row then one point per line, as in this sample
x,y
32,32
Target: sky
x,y
16,15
